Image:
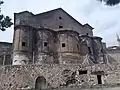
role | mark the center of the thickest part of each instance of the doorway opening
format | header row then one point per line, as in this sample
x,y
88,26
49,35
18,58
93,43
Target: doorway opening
x,y
99,79
40,83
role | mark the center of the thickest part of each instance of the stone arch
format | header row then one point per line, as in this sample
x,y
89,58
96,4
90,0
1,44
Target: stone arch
x,y
40,83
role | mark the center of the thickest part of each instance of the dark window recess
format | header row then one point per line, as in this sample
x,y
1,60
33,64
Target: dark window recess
x,y
60,27
10,85
99,79
60,17
23,44
63,44
89,50
82,81
1,59
45,44
78,47
7,60
87,34
82,72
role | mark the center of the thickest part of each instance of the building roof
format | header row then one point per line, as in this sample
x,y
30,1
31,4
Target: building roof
x,y
87,25
53,11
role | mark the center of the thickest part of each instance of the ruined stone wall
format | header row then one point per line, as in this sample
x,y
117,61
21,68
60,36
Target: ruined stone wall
x,y
5,53
98,50
114,57
113,54
14,77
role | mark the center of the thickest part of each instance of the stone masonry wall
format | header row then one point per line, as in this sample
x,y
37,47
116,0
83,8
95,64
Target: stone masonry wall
x,y
16,77
5,53
115,56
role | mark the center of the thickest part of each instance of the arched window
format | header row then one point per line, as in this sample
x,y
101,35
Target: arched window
x,y
40,83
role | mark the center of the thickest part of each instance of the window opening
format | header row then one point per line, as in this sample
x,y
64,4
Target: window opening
x,y
45,44
60,17
63,44
23,44
60,27
82,72
89,50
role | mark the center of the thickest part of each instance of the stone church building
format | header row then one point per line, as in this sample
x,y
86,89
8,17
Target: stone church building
x,y
52,50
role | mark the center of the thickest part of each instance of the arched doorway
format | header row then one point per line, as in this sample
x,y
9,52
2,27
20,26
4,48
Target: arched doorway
x,y
40,83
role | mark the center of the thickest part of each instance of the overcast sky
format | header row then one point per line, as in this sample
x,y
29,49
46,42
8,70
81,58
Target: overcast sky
x,y
105,19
